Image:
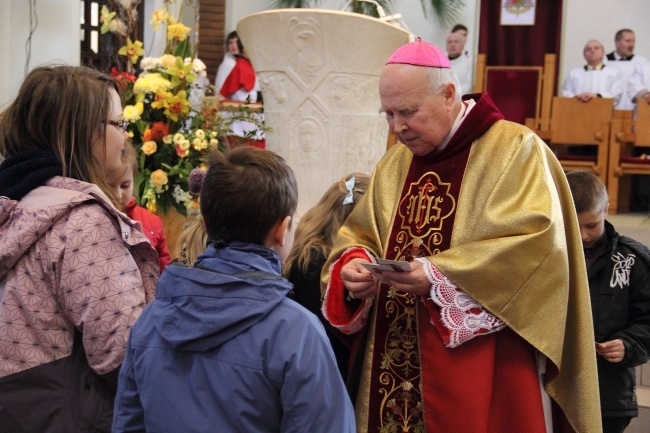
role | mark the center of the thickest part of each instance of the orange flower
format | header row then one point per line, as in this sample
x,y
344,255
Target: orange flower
x,y
181,152
146,136
159,130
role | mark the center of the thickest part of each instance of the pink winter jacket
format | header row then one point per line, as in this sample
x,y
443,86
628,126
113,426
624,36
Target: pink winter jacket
x,y
71,267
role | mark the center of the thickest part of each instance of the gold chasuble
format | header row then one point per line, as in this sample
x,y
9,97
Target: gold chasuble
x,y
493,212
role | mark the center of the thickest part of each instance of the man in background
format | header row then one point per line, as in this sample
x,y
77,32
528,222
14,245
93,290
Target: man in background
x,y
624,59
595,79
461,29
460,63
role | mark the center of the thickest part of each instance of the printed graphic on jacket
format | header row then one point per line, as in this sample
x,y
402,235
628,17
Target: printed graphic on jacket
x,y
621,272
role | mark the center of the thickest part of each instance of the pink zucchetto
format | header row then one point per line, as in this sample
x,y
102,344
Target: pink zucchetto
x,y
420,53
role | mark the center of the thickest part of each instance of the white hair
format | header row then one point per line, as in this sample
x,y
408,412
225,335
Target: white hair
x,y
440,77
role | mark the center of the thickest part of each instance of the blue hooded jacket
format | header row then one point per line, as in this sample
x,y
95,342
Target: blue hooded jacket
x,y
222,349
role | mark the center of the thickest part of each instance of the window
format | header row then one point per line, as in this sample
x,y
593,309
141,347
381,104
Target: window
x,y
97,50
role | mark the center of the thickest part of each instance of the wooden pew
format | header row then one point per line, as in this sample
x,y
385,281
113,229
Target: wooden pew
x,y
624,159
576,123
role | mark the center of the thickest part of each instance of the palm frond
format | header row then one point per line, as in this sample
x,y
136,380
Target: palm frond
x,y
446,11
289,4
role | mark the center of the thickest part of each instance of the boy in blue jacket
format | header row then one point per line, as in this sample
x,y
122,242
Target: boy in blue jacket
x,y
222,348
618,269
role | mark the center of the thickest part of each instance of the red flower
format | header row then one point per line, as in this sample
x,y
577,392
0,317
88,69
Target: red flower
x,y
159,130
122,75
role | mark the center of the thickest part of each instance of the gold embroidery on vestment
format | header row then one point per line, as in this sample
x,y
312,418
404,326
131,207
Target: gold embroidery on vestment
x,y
421,215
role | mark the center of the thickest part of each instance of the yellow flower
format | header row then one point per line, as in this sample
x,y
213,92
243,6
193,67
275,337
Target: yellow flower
x,y
177,31
177,105
151,206
213,134
158,179
199,133
149,198
178,137
214,142
152,82
159,99
168,139
132,50
132,113
168,60
181,73
158,17
149,147
199,144
105,18
184,144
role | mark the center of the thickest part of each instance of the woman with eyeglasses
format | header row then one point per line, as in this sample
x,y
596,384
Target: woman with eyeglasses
x,y
75,273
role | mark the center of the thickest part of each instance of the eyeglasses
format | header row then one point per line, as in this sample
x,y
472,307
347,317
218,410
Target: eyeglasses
x,y
122,124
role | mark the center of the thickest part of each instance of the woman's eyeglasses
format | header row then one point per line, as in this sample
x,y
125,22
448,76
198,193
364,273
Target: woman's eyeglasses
x,y
122,124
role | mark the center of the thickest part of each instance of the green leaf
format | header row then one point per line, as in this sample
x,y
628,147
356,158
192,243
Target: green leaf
x,y
183,49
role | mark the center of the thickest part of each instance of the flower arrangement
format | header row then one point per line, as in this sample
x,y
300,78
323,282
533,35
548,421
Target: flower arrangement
x,y
170,127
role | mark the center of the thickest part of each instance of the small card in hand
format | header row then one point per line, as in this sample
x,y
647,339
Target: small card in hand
x,y
387,265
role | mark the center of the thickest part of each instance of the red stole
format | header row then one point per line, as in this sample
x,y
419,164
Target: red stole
x,y
488,384
241,76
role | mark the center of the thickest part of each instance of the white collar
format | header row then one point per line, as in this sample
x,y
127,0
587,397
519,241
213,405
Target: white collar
x,y
465,108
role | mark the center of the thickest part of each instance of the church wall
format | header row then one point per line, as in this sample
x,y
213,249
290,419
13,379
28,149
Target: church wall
x,y
56,39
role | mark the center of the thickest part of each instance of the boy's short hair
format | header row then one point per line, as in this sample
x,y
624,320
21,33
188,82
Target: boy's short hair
x,y
245,193
589,193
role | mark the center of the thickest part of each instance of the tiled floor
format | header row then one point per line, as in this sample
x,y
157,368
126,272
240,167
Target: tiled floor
x,y
640,424
636,226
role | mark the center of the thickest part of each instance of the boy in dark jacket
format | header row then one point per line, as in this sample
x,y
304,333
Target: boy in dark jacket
x,y
222,348
619,283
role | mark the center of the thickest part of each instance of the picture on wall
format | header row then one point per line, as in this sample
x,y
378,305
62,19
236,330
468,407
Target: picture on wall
x,y
518,12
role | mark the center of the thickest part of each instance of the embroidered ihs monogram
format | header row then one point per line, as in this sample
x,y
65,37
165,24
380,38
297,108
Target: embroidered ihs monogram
x,y
621,272
425,205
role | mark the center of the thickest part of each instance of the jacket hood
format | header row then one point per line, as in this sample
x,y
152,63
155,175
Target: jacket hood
x,y
226,292
23,222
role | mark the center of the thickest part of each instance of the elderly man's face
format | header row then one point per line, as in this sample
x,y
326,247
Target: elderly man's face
x,y
455,45
419,118
594,52
625,45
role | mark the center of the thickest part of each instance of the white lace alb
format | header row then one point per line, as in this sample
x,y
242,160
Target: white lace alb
x,y
460,314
